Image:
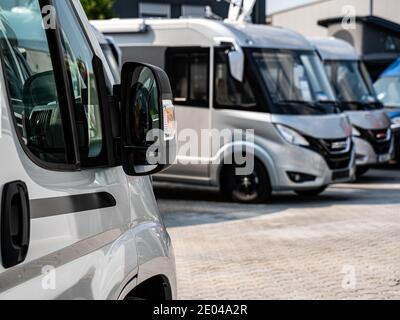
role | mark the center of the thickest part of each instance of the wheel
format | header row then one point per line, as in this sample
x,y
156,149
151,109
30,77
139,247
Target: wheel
x,y
311,192
254,188
361,171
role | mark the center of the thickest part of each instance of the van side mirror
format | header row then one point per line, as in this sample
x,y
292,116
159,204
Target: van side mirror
x,y
236,57
148,128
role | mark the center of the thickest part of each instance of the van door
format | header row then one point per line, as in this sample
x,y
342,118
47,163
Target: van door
x,y
55,161
189,72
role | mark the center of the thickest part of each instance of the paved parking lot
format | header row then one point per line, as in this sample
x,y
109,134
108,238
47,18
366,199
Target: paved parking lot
x,y
343,245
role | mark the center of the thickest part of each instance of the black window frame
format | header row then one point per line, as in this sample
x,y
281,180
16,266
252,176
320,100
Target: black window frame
x,y
107,157
171,51
67,104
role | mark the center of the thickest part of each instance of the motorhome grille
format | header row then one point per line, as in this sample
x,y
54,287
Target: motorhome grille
x,y
340,175
378,139
336,158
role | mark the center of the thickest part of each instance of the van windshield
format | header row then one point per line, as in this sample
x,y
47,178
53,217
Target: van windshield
x,y
352,85
294,77
388,91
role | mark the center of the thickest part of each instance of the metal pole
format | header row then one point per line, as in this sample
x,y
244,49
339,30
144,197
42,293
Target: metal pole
x,y
371,7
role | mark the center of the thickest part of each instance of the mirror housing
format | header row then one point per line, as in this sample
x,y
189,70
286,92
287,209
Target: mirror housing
x,y
148,128
235,56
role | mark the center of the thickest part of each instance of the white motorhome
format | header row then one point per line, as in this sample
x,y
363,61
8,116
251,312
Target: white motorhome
x,y
372,133
242,76
79,218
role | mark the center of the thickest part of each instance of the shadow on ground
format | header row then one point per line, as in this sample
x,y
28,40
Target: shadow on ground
x,y
183,205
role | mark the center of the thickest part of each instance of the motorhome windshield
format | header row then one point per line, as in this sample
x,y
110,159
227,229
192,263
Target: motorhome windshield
x,y
295,78
352,85
388,91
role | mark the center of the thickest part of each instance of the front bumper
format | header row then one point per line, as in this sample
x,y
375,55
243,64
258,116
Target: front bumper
x,y
366,155
309,162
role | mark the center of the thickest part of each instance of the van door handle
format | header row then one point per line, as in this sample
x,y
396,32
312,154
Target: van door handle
x,y
15,224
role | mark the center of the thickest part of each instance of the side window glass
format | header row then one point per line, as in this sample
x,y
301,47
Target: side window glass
x,y
230,93
199,78
188,70
179,75
28,71
78,57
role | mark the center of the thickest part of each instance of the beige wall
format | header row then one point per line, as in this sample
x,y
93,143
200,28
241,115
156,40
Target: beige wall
x,y
304,19
389,9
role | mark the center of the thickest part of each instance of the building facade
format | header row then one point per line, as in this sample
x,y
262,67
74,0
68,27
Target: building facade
x,y
179,8
304,18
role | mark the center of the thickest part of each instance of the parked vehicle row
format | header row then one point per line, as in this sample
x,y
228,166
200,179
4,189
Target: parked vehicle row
x,y
314,122
372,133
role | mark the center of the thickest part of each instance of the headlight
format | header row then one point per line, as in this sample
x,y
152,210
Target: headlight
x,y
356,133
292,136
396,123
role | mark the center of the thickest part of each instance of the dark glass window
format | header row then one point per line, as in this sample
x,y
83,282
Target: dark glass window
x,y
188,70
28,71
229,92
34,94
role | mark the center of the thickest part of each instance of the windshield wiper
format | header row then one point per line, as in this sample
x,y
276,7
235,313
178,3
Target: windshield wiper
x,y
363,104
335,104
313,105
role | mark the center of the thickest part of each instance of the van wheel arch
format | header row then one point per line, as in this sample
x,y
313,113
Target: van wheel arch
x,y
157,288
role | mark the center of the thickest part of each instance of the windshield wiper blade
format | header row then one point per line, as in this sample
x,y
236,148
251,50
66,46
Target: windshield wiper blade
x,y
363,104
313,105
293,101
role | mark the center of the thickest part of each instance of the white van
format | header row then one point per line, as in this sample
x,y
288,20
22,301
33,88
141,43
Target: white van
x,y
236,75
78,216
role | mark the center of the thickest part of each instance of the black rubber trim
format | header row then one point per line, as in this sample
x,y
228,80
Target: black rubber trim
x,y
64,89
48,207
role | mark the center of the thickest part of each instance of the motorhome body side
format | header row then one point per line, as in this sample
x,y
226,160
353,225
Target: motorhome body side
x,y
372,134
95,233
161,41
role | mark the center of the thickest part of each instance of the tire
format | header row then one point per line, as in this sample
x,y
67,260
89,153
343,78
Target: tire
x,y
311,192
361,171
255,188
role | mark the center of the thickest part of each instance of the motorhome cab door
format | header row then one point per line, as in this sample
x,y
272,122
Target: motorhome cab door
x,y
52,116
189,70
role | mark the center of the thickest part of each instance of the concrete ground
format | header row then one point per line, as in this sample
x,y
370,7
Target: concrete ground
x,y
344,244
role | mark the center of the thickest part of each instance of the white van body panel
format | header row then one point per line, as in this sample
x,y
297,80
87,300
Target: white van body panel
x,y
91,254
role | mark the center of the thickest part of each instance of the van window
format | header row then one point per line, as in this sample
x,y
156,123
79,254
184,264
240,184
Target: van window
x,y
230,93
293,76
188,70
28,71
78,57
